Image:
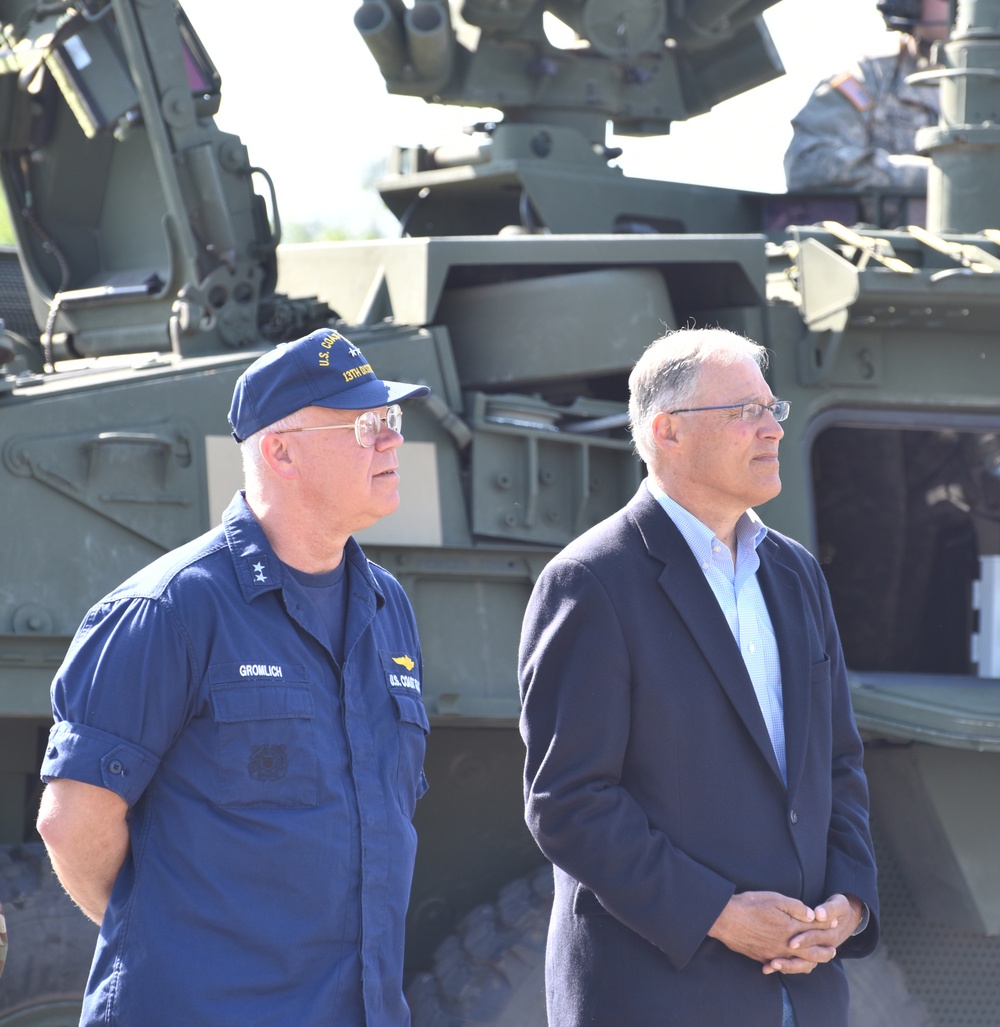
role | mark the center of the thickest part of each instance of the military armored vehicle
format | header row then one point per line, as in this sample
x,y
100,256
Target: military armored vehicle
x,y
529,275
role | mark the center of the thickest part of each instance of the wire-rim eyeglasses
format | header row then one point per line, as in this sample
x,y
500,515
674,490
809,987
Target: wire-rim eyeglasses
x,y
748,411
366,425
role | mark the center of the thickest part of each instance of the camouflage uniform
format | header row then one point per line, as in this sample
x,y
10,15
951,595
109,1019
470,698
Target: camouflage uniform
x,y
858,128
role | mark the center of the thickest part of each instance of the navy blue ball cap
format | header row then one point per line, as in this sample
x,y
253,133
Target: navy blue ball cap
x,y
322,370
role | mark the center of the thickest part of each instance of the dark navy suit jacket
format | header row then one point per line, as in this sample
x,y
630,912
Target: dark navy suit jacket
x,y
652,786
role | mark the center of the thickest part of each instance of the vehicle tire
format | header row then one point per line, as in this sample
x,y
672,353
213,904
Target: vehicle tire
x,y
51,944
492,970
879,996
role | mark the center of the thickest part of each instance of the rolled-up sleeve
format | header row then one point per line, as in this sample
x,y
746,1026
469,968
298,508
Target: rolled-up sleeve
x,y
87,754
120,697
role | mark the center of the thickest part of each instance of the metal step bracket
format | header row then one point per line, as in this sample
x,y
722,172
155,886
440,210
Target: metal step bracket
x,y
868,247
967,254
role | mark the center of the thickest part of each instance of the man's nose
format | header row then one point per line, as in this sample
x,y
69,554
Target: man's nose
x,y
387,438
770,426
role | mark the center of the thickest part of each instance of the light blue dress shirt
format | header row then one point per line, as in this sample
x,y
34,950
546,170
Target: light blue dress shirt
x,y
736,588
738,592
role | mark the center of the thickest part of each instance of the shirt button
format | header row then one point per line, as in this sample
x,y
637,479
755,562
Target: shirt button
x,y
115,766
793,816
752,647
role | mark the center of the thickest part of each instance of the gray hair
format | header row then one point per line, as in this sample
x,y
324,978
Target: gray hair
x,y
666,376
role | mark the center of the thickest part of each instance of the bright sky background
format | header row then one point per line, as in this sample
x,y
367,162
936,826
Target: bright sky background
x,y
305,96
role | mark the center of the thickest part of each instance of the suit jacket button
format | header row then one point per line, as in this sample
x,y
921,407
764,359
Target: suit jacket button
x,y
793,817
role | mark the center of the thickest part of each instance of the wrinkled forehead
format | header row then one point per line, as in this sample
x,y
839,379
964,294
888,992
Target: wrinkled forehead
x,y
742,378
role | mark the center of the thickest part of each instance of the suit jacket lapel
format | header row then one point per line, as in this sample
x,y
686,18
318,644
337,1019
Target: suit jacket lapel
x,y
782,591
685,586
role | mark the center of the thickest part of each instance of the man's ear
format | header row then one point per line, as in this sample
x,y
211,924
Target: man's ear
x,y
276,453
664,430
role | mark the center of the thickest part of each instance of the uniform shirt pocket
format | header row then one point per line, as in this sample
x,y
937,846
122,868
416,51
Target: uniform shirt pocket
x,y
413,727
267,752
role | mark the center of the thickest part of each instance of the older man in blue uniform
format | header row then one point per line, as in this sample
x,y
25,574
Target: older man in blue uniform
x,y
239,733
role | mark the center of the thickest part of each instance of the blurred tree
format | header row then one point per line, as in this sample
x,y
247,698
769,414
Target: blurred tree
x,y
317,231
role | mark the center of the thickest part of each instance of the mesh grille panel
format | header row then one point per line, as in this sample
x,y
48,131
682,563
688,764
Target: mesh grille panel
x,y
956,973
15,309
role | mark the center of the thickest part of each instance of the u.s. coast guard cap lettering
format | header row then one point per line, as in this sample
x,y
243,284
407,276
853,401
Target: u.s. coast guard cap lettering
x,y
324,370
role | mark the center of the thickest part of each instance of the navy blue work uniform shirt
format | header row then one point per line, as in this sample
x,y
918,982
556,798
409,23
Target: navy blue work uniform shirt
x,y
270,788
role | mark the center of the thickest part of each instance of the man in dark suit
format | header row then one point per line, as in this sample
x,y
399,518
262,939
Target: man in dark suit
x,y
693,769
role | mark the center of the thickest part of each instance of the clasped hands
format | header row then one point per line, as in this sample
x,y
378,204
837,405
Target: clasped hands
x,y
783,934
